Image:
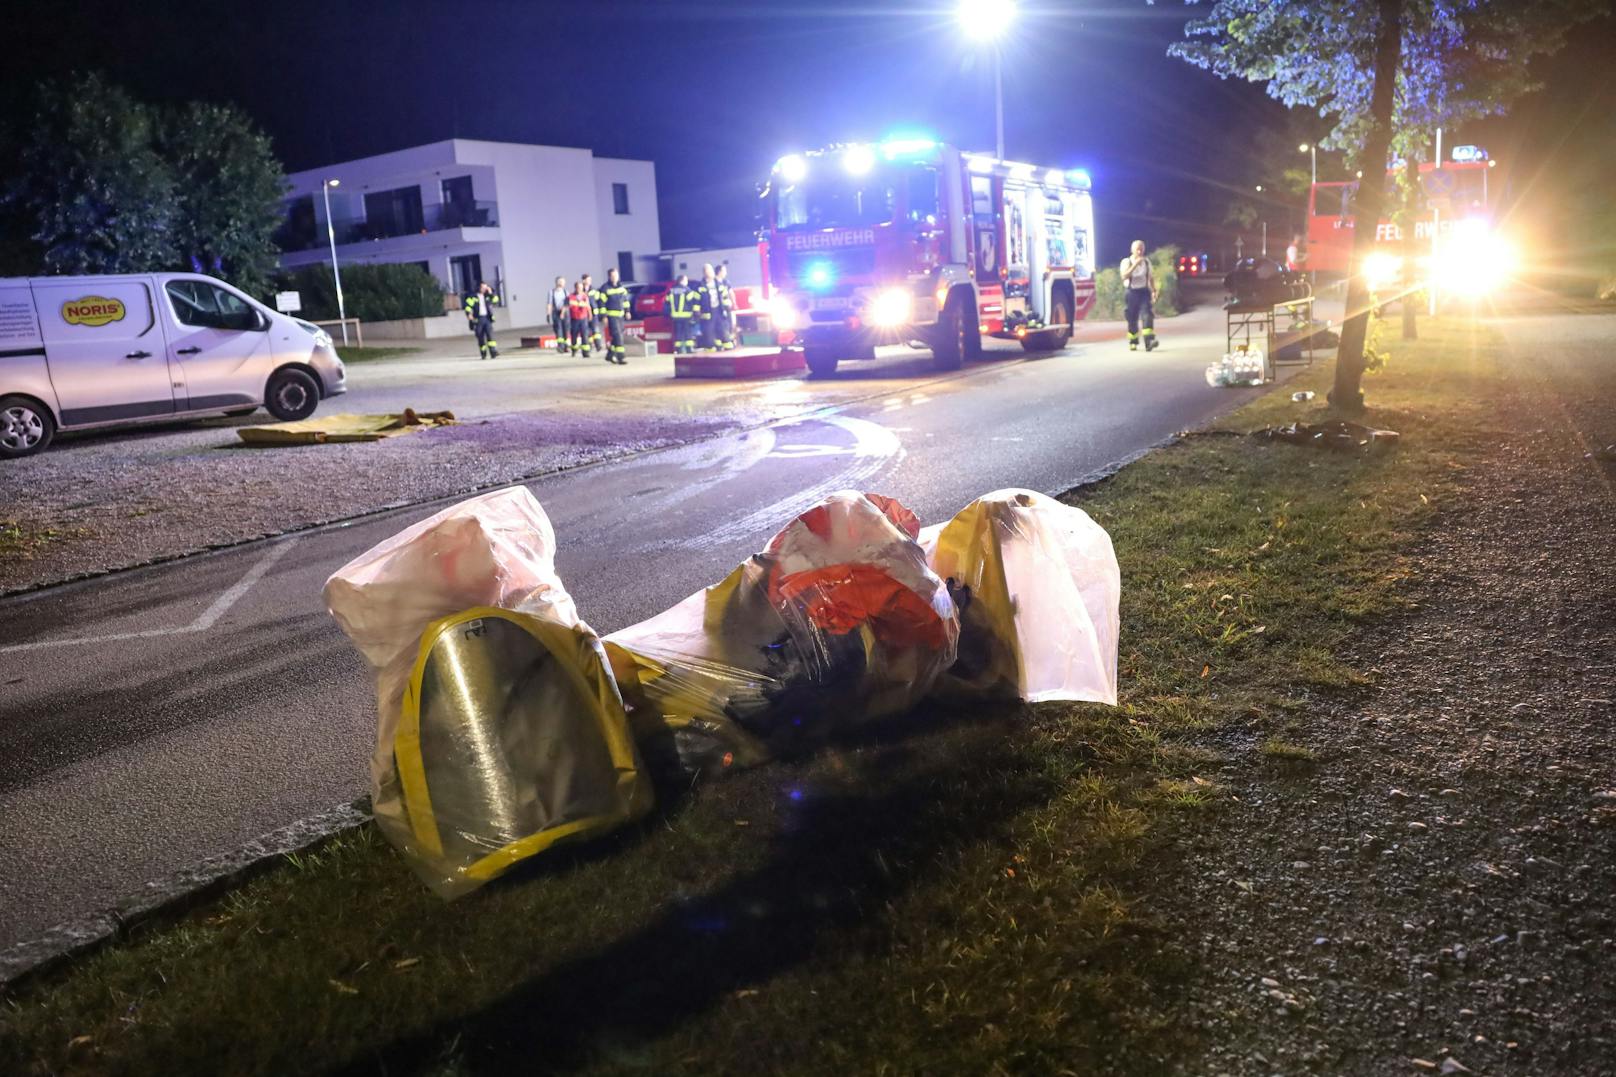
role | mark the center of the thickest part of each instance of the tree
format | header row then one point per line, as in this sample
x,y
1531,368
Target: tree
x,y
229,188
89,189
1386,75
107,184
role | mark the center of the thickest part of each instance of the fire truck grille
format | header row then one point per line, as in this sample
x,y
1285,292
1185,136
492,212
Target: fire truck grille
x,y
842,264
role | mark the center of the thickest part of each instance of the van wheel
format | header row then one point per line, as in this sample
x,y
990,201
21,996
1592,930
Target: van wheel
x,y
291,395
821,362
26,427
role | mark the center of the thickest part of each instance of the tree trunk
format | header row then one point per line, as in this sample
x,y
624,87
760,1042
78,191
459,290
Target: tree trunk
x,y
1367,207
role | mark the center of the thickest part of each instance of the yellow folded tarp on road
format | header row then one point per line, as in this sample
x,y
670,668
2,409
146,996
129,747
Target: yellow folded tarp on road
x,y
336,429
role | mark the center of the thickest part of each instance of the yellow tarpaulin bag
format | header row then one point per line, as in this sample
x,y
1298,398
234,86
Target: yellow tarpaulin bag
x,y
1038,587
458,782
511,738
342,428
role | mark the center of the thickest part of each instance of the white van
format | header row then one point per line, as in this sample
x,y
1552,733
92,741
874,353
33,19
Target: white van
x,y
84,352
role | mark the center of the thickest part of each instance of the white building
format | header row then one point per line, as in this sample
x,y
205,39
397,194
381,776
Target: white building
x,y
514,215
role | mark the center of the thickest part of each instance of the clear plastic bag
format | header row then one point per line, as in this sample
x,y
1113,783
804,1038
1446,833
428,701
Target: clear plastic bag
x,y
1037,585
837,620
500,730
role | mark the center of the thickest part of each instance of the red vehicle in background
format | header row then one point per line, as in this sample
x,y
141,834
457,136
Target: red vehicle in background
x,y
1455,231
649,303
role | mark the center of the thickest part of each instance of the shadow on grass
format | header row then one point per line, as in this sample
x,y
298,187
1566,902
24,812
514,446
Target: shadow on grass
x,y
845,849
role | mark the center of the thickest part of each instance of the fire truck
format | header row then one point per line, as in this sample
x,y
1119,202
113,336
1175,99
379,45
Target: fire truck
x,y
1455,233
913,240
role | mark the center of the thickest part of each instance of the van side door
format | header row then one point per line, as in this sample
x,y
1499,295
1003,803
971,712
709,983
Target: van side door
x,y
217,343
104,348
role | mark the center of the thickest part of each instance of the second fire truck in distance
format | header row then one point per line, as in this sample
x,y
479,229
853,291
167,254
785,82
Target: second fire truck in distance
x,y
913,240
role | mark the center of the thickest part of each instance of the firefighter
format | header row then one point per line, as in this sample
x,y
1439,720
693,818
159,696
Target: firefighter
x,y
724,317
479,308
614,309
579,307
683,305
594,311
1141,289
559,318
707,306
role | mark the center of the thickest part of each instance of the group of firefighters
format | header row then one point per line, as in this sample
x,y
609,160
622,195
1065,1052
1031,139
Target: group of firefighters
x,y
585,318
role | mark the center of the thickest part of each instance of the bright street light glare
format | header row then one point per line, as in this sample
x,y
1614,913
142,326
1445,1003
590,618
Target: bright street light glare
x,y
333,183
1302,148
985,20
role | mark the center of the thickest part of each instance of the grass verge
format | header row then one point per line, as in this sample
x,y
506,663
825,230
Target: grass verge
x,y
950,892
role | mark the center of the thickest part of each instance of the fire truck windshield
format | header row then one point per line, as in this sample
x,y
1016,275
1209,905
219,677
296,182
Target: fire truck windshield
x,y
835,200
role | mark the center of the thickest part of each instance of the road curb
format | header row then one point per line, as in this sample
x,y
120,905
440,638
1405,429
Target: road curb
x,y
174,894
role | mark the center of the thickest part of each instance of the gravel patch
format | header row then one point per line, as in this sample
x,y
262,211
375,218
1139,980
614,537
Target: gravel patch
x,y
1435,890
119,500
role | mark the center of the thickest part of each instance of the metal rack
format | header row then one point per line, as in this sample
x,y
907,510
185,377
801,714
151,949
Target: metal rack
x,y
1245,322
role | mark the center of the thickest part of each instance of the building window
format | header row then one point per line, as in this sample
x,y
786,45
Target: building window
x,y
393,213
465,273
625,264
620,199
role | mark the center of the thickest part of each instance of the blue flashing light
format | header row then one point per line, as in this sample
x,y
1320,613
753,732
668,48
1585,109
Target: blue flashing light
x,y
820,275
1080,177
907,147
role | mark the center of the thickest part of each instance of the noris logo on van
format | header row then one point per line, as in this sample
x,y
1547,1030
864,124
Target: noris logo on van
x,y
92,310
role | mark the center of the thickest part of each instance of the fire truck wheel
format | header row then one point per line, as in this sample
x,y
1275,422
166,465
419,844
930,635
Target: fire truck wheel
x,y
1059,332
821,362
948,346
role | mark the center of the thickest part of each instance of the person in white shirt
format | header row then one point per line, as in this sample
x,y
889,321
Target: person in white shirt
x,y
1139,290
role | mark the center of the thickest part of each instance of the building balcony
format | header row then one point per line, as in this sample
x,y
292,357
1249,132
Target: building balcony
x,y
441,217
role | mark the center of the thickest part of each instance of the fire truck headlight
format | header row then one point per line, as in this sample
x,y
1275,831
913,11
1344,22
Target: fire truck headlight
x,y
1381,270
891,308
783,312
1473,263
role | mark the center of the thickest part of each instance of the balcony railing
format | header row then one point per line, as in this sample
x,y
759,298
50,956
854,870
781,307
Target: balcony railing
x,y
435,218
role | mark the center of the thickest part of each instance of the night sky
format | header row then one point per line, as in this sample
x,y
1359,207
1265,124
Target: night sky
x,y
712,92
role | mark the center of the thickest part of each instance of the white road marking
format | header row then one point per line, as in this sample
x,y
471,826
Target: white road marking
x,y
206,620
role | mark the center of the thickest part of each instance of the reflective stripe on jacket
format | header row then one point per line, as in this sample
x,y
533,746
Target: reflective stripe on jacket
x,y
683,302
614,301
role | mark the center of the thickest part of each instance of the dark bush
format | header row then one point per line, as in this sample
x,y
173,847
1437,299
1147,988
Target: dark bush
x,y
371,293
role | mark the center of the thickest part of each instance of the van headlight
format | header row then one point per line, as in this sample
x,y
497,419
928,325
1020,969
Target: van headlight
x,y
783,312
891,308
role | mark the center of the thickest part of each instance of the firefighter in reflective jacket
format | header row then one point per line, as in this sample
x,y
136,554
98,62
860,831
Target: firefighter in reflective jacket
x,y
594,310
479,308
724,316
578,318
707,299
614,312
683,307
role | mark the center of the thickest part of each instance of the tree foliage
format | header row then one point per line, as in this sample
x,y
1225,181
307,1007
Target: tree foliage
x,y
107,184
90,189
229,186
1461,60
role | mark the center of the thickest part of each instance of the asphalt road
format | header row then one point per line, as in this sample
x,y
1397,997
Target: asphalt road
x,y
157,716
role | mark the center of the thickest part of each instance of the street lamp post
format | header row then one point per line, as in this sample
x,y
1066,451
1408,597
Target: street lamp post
x,y
987,21
1312,150
331,235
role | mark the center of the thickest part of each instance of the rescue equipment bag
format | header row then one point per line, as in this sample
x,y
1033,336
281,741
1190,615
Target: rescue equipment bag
x,y
836,621
490,736
1038,588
